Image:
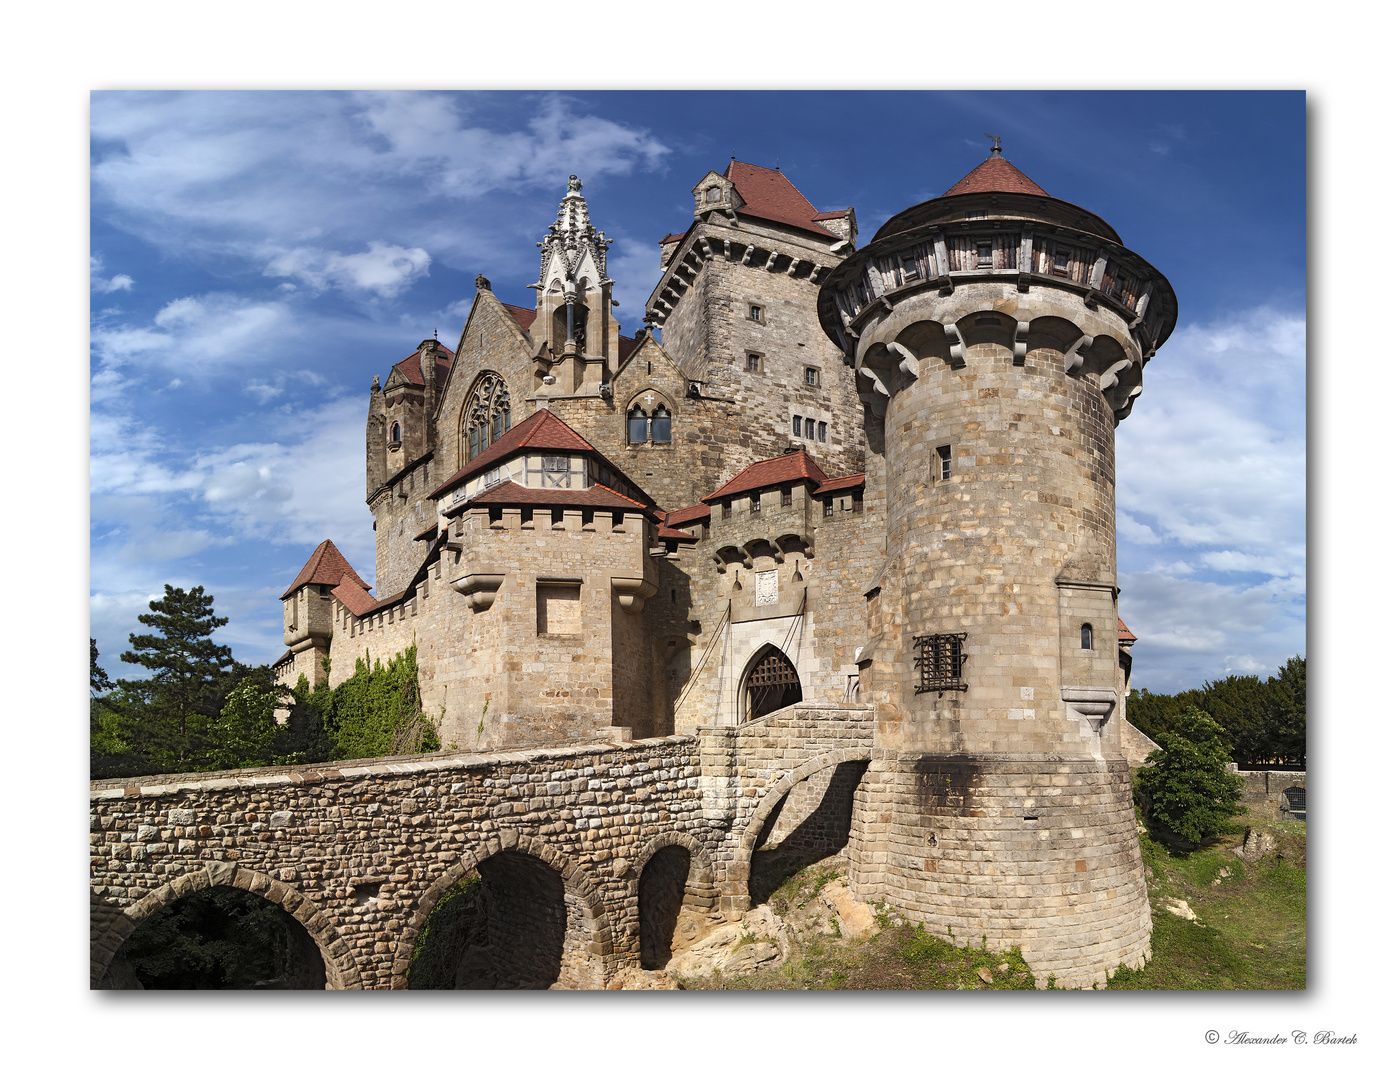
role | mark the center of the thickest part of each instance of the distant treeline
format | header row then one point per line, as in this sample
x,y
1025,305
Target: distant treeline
x,y
1264,719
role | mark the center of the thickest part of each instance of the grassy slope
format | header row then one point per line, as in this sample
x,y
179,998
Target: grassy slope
x,y
1250,933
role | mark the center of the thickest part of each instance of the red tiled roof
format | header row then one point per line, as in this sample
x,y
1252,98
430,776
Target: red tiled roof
x,y
522,315
428,533
541,431
356,598
627,346
763,474
841,483
995,173
326,566
1125,633
666,533
673,237
598,496
411,368
829,215
769,195
689,515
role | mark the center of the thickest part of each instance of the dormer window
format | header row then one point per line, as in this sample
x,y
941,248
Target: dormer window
x,y
714,194
985,255
1060,259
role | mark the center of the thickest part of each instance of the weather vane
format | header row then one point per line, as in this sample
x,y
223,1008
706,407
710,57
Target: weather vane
x,y
997,148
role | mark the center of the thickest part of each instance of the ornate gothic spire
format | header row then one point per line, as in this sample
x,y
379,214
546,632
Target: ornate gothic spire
x,y
573,248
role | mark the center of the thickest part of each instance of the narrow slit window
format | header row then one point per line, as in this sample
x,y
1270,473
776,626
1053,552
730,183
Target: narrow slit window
x,y
943,462
756,503
786,497
823,431
797,427
1087,637
809,428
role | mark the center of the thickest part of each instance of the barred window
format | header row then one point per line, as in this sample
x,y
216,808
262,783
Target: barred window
x,y
939,662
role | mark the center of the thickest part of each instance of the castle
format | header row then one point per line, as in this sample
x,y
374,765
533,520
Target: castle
x,y
880,475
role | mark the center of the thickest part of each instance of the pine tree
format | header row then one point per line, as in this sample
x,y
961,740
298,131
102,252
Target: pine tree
x,y
186,665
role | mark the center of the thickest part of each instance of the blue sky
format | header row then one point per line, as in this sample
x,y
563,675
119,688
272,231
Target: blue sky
x,y
258,256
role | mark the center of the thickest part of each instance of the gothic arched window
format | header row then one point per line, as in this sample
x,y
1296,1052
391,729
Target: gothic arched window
x,y
649,420
395,434
661,425
486,415
637,426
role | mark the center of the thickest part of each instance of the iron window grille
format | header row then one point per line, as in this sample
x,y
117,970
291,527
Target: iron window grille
x,y
940,661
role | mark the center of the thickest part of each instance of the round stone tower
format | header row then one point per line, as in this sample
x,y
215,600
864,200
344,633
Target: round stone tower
x,y
998,335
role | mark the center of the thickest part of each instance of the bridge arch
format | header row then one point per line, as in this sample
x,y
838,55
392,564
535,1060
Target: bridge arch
x,y
576,882
341,970
672,871
740,873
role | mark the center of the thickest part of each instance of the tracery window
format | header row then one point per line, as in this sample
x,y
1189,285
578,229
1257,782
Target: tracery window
x,y
486,415
655,426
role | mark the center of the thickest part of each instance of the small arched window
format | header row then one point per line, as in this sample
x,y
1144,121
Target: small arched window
x,y
1087,638
661,424
395,433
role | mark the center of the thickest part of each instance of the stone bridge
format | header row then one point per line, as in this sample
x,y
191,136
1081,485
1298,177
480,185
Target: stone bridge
x,y
586,850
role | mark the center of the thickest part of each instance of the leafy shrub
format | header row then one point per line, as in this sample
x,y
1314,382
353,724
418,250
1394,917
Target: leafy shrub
x,y
1185,788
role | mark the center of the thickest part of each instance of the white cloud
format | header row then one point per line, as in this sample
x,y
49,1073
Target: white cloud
x,y
384,269
99,284
281,492
1212,502
198,333
258,175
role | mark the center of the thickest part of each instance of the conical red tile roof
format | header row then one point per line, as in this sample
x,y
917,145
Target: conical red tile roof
x,y
996,173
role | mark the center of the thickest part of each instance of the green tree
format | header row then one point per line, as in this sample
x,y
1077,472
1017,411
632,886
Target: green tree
x,y
245,733
1186,791
97,680
186,664
1286,728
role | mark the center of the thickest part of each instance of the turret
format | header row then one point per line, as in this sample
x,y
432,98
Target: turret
x,y
308,611
375,441
998,335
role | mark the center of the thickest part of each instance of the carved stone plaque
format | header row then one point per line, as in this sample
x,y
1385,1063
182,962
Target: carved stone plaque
x,y
766,590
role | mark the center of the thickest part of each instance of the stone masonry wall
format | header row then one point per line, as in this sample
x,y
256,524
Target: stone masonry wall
x,y
1041,853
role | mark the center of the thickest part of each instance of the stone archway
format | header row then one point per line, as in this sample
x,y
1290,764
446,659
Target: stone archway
x,y
586,941
771,682
110,932
674,891
739,874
